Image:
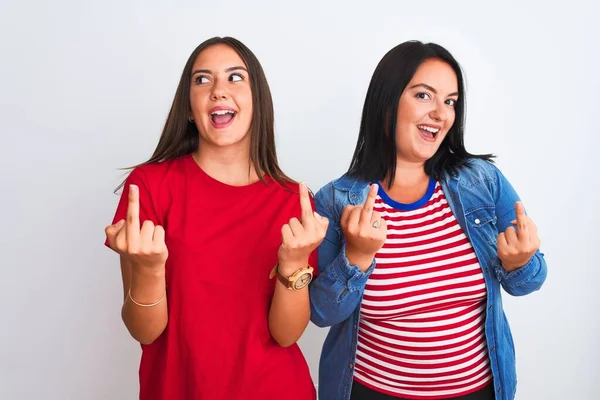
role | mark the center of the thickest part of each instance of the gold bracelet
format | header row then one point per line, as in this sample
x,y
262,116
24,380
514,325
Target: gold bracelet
x,y
146,305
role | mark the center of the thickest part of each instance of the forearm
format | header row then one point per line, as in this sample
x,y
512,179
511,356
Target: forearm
x,y
146,324
526,279
289,314
337,291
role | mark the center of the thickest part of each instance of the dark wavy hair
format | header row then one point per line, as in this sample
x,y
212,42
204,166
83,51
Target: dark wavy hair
x,y
375,155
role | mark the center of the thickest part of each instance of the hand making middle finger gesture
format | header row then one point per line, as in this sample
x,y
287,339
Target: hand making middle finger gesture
x,y
364,229
301,237
143,246
517,246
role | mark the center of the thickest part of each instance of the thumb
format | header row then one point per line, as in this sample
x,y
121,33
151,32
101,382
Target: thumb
x,y
112,231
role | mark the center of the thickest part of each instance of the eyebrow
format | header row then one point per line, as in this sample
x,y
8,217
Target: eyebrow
x,y
230,69
431,89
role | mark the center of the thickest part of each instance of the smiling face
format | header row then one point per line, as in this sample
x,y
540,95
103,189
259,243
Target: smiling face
x,y
426,111
221,98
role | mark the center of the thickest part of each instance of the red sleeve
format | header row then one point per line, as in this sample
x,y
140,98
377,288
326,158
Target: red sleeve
x,y
313,261
147,203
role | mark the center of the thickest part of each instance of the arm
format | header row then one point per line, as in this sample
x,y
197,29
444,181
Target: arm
x,y
143,254
145,324
290,309
338,290
521,269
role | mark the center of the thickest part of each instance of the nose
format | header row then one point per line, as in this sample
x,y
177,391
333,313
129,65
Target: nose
x,y
219,91
439,113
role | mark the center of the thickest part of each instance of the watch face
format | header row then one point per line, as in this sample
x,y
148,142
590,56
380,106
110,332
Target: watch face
x,y
302,281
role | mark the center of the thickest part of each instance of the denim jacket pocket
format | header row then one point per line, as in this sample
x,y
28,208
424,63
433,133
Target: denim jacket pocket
x,y
482,221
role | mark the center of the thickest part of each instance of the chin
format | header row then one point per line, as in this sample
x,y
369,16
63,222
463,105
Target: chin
x,y
227,142
423,156
221,139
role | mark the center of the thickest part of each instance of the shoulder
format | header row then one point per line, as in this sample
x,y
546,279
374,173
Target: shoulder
x,y
476,170
153,176
344,183
278,194
480,177
326,193
338,193
157,169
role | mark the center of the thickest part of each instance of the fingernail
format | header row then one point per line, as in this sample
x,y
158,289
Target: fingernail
x,y
120,223
133,188
519,204
374,187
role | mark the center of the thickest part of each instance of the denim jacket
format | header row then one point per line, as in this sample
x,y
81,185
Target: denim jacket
x,y
482,201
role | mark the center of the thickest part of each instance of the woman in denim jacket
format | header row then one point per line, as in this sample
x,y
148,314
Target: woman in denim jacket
x,y
422,235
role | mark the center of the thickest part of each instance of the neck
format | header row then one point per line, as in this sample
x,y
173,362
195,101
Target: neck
x,y
410,183
230,165
408,175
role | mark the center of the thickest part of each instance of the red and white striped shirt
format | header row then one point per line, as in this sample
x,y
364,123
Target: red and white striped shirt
x,y
421,332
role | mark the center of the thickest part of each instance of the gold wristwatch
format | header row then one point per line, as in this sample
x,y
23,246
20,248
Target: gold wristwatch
x,y
297,281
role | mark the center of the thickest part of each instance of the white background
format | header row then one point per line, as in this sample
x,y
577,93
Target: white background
x,y
85,88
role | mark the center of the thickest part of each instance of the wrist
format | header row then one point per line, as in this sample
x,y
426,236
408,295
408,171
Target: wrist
x,y
512,266
148,269
147,287
144,276
288,267
363,261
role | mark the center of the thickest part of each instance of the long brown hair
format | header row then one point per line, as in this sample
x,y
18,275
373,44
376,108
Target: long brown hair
x,y
180,136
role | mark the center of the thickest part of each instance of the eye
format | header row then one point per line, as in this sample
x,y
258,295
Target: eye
x,y
423,96
200,79
235,78
451,102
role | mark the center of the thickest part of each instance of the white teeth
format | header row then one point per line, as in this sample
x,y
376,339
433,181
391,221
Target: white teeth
x,y
428,129
222,112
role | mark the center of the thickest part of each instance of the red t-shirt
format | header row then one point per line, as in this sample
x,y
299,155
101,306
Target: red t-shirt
x,y
222,243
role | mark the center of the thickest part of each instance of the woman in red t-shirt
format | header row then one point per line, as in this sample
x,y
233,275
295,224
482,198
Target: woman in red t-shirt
x,y
202,228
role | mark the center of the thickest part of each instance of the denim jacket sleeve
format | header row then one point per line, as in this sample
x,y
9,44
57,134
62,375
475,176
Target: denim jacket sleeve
x,y
337,291
532,275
